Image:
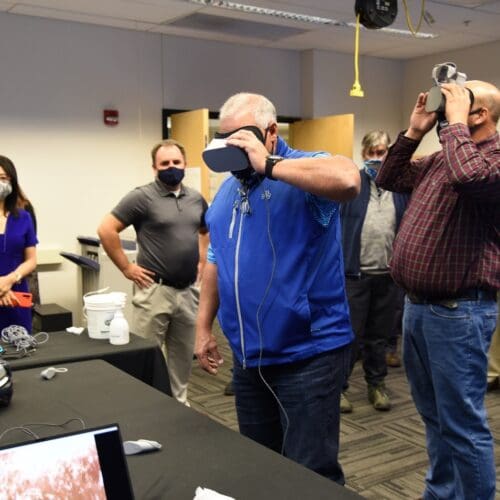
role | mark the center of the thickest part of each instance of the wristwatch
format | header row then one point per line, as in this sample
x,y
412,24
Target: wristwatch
x,y
271,160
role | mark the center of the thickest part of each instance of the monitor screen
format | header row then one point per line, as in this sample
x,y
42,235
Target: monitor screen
x,y
79,465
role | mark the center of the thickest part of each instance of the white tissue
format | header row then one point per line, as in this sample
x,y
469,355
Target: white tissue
x,y
75,329
208,494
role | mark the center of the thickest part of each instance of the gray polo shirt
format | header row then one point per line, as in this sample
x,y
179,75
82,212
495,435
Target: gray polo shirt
x,y
167,228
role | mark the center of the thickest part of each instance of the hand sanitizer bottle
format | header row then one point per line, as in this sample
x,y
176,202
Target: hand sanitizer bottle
x,y
118,329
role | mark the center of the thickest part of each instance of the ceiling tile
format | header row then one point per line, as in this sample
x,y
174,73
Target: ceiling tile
x,y
80,18
460,22
135,10
493,7
5,5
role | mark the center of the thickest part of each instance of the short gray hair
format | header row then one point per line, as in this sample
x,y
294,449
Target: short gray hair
x,y
375,138
263,109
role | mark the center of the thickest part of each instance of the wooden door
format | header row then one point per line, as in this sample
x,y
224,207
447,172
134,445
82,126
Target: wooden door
x,y
191,130
334,134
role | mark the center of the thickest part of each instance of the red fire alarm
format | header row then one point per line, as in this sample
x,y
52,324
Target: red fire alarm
x,y
110,117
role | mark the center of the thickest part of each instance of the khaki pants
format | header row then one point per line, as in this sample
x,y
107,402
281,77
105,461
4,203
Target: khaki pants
x,y
168,315
494,353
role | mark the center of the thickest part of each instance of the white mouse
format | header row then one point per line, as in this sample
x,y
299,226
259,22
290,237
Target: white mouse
x,y
140,446
48,373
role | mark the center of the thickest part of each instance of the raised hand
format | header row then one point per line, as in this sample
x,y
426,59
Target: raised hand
x,y
421,121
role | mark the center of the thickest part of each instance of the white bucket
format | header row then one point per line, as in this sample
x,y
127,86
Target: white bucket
x,y
99,309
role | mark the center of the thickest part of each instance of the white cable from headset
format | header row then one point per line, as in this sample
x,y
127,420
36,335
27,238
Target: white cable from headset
x,y
266,196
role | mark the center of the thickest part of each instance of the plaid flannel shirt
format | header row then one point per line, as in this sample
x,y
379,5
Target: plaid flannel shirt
x,y
449,237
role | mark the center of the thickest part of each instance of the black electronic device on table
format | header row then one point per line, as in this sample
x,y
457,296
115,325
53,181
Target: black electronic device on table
x,y
51,318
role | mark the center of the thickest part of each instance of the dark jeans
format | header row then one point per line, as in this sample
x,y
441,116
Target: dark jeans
x,y
372,301
397,326
303,417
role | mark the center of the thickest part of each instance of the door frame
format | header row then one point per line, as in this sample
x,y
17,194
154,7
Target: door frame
x,y
212,115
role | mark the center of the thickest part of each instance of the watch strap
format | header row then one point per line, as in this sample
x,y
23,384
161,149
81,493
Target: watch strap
x,y
270,163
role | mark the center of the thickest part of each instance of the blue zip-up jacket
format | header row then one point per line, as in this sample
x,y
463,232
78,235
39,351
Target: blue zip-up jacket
x,y
353,214
280,270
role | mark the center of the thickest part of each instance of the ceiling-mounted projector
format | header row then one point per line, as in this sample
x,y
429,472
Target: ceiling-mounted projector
x,y
375,14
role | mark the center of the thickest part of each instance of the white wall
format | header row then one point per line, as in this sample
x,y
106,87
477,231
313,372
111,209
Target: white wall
x,y
200,73
56,78
478,63
329,77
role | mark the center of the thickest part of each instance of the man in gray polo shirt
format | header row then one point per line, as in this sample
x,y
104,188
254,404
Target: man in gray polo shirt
x,y
169,219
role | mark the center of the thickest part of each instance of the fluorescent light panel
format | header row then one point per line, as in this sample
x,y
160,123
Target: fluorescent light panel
x,y
293,16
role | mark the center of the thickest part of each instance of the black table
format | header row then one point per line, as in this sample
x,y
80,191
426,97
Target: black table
x,y
141,358
196,450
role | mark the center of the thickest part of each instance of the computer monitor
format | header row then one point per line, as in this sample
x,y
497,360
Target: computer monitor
x,y
78,465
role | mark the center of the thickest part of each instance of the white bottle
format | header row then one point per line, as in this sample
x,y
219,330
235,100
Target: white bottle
x,y
118,329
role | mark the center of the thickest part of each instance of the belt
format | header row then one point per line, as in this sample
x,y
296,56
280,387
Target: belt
x,y
174,284
452,302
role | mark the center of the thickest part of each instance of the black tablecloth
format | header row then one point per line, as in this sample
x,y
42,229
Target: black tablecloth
x,y
196,450
141,358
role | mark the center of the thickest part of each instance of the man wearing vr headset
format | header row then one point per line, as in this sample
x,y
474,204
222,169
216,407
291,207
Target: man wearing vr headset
x,y
446,257
275,279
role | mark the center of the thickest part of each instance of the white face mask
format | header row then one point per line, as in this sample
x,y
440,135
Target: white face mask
x,y
5,189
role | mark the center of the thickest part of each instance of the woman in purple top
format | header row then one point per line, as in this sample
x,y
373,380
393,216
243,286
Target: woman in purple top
x,y
17,249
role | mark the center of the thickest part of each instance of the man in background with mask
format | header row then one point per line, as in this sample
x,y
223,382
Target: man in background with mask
x,y
169,220
369,225
275,278
446,257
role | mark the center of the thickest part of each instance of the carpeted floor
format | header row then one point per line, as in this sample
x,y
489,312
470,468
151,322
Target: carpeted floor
x,y
383,453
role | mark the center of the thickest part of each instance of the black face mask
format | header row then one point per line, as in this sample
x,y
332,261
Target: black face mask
x,y
171,176
248,174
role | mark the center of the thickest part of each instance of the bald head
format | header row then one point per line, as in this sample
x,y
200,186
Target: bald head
x,y
487,96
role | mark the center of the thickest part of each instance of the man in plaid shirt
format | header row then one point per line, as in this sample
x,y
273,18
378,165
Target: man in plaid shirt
x,y
446,257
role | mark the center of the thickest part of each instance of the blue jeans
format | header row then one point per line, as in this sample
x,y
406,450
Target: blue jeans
x,y
309,393
445,356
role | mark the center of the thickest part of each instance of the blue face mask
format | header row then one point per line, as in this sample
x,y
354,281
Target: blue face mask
x,y
171,176
372,167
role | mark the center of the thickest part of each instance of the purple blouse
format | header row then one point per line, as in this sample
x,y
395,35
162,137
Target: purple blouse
x,y
19,234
